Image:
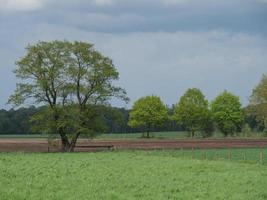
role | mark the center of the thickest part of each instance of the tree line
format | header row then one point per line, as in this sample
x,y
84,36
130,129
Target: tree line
x,y
110,120
194,113
71,83
116,120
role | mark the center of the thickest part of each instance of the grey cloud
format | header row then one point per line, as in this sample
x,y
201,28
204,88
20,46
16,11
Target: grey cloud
x,y
152,15
194,15
166,64
160,47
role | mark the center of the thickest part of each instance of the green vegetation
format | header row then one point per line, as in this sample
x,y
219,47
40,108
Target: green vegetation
x,y
258,102
71,85
127,175
147,113
154,135
227,113
192,111
18,121
70,79
138,135
242,155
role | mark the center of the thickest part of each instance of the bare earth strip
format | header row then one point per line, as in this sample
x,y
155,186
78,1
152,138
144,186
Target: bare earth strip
x,y
41,145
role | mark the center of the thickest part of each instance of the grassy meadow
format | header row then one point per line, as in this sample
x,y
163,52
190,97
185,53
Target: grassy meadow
x,y
128,175
156,135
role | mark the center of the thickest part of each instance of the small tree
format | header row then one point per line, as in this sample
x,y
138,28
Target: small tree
x,y
148,112
227,113
192,111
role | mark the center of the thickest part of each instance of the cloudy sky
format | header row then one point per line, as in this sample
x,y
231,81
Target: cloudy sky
x,y
160,47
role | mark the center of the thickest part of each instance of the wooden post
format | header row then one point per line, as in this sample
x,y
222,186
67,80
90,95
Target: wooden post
x,y
261,157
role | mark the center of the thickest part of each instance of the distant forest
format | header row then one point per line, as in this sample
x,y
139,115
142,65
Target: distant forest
x,y
111,120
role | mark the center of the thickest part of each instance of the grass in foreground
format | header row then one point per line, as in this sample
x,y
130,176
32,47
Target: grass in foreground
x,y
127,175
244,155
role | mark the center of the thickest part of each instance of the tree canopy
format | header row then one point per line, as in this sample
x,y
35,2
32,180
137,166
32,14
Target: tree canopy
x,y
192,111
258,101
147,113
70,78
227,113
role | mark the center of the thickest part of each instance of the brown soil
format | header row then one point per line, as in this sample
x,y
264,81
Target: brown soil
x,y
41,145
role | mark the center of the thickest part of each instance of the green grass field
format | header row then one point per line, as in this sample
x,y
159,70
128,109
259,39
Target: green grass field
x,y
156,135
128,175
243,155
159,135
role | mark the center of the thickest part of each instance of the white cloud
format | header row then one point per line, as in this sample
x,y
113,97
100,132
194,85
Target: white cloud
x,y
20,5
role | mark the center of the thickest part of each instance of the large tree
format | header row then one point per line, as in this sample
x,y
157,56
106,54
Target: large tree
x,y
147,113
192,111
227,113
69,78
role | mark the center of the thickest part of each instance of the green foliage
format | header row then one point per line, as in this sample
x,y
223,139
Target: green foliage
x,y
246,130
254,118
258,101
116,119
259,94
193,113
25,121
208,126
227,113
17,121
148,112
70,79
129,175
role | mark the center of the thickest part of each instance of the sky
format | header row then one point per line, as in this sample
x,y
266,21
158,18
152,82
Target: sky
x,y
160,47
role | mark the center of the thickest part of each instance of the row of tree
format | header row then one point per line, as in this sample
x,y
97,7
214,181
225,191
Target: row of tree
x,y
71,83
192,112
195,114
109,120
116,120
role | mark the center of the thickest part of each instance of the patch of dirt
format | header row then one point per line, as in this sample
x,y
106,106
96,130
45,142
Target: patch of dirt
x,y
41,145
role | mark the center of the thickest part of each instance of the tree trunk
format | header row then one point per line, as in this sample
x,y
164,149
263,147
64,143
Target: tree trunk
x,y
65,144
73,142
148,130
147,134
192,134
